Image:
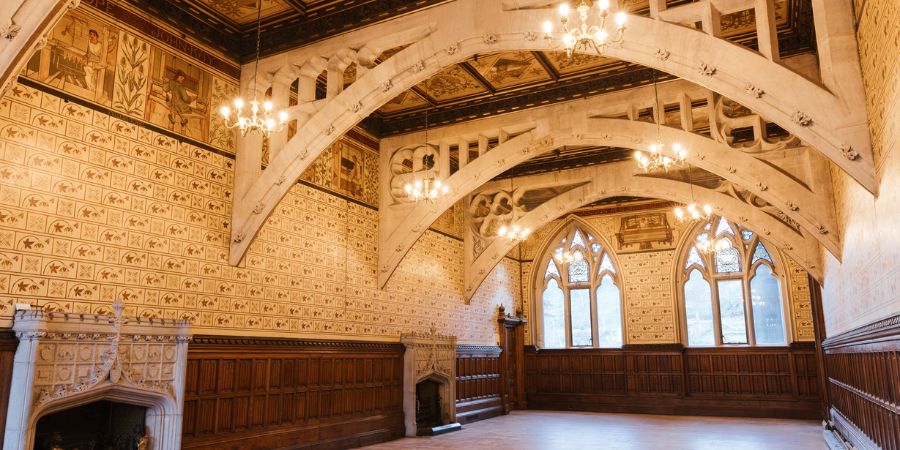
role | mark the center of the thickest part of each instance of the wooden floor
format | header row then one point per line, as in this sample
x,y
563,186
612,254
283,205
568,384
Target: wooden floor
x,y
533,430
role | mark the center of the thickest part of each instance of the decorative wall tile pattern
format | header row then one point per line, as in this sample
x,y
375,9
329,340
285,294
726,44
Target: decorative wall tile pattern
x,y
93,208
865,285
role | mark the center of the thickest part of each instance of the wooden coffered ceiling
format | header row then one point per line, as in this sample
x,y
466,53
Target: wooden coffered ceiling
x,y
481,86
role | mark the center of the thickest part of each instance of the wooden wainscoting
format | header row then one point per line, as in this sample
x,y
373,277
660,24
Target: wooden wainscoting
x,y
247,393
8,344
478,383
863,377
670,379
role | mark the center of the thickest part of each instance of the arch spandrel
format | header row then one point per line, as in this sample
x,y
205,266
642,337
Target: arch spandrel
x,y
615,180
463,28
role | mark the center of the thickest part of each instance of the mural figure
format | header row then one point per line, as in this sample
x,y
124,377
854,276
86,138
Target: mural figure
x,y
93,60
179,99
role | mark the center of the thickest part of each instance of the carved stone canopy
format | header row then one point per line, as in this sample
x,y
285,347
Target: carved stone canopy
x,y
429,356
66,360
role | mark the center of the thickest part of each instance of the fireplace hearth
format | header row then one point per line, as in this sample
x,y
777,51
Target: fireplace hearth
x,y
101,425
429,383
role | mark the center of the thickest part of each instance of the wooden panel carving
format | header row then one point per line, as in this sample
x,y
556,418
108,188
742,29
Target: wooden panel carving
x,y
669,379
478,394
8,344
276,393
863,368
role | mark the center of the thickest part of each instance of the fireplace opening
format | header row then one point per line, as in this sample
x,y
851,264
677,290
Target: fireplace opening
x,y
101,425
428,405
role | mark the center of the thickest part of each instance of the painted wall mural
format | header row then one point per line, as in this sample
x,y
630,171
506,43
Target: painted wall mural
x,y
96,58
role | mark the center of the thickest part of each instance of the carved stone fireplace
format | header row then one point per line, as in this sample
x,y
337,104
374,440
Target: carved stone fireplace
x,y
429,383
67,360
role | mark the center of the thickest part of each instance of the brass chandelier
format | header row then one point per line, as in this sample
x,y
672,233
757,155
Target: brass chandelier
x,y
429,188
260,119
588,34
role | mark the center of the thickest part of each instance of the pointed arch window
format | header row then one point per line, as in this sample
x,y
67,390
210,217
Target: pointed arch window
x,y
579,293
734,295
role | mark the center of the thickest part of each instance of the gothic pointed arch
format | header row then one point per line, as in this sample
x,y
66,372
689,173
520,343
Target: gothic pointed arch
x,y
731,287
578,293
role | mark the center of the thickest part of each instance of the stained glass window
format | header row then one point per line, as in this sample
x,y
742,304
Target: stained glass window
x,y
584,308
609,313
728,259
606,265
694,258
554,309
731,311
578,240
724,228
578,270
551,269
582,335
727,303
760,253
765,298
698,311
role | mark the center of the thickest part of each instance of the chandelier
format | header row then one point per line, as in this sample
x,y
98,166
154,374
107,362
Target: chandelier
x,y
707,246
586,35
656,158
567,256
514,233
260,120
429,188
692,212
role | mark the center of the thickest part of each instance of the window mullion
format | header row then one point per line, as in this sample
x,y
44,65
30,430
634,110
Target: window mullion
x,y
748,310
595,322
717,320
568,314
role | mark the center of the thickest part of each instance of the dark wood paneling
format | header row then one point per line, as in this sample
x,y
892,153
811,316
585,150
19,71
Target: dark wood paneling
x,y
8,344
669,379
478,381
863,368
286,394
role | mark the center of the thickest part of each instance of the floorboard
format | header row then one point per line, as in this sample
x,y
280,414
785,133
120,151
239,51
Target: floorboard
x,y
539,430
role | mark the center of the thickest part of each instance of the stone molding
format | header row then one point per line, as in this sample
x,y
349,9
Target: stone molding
x,y
66,360
428,355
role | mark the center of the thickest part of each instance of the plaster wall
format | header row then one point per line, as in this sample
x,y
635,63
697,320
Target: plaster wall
x,y
865,285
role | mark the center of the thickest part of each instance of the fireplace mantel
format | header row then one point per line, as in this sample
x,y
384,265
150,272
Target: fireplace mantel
x,y
66,360
429,356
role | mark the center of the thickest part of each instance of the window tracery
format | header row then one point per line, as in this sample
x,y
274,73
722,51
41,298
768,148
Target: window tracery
x,y
584,307
733,295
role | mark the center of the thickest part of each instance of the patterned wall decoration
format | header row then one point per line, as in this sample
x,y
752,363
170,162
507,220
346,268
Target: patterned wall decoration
x,y
348,168
651,314
94,208
863,286
98,58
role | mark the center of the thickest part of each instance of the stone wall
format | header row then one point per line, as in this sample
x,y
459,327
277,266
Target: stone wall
x,y
864,286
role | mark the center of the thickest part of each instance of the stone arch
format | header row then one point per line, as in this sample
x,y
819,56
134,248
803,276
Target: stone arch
x,y
738,168
834,124
615,180
161,407
24,26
